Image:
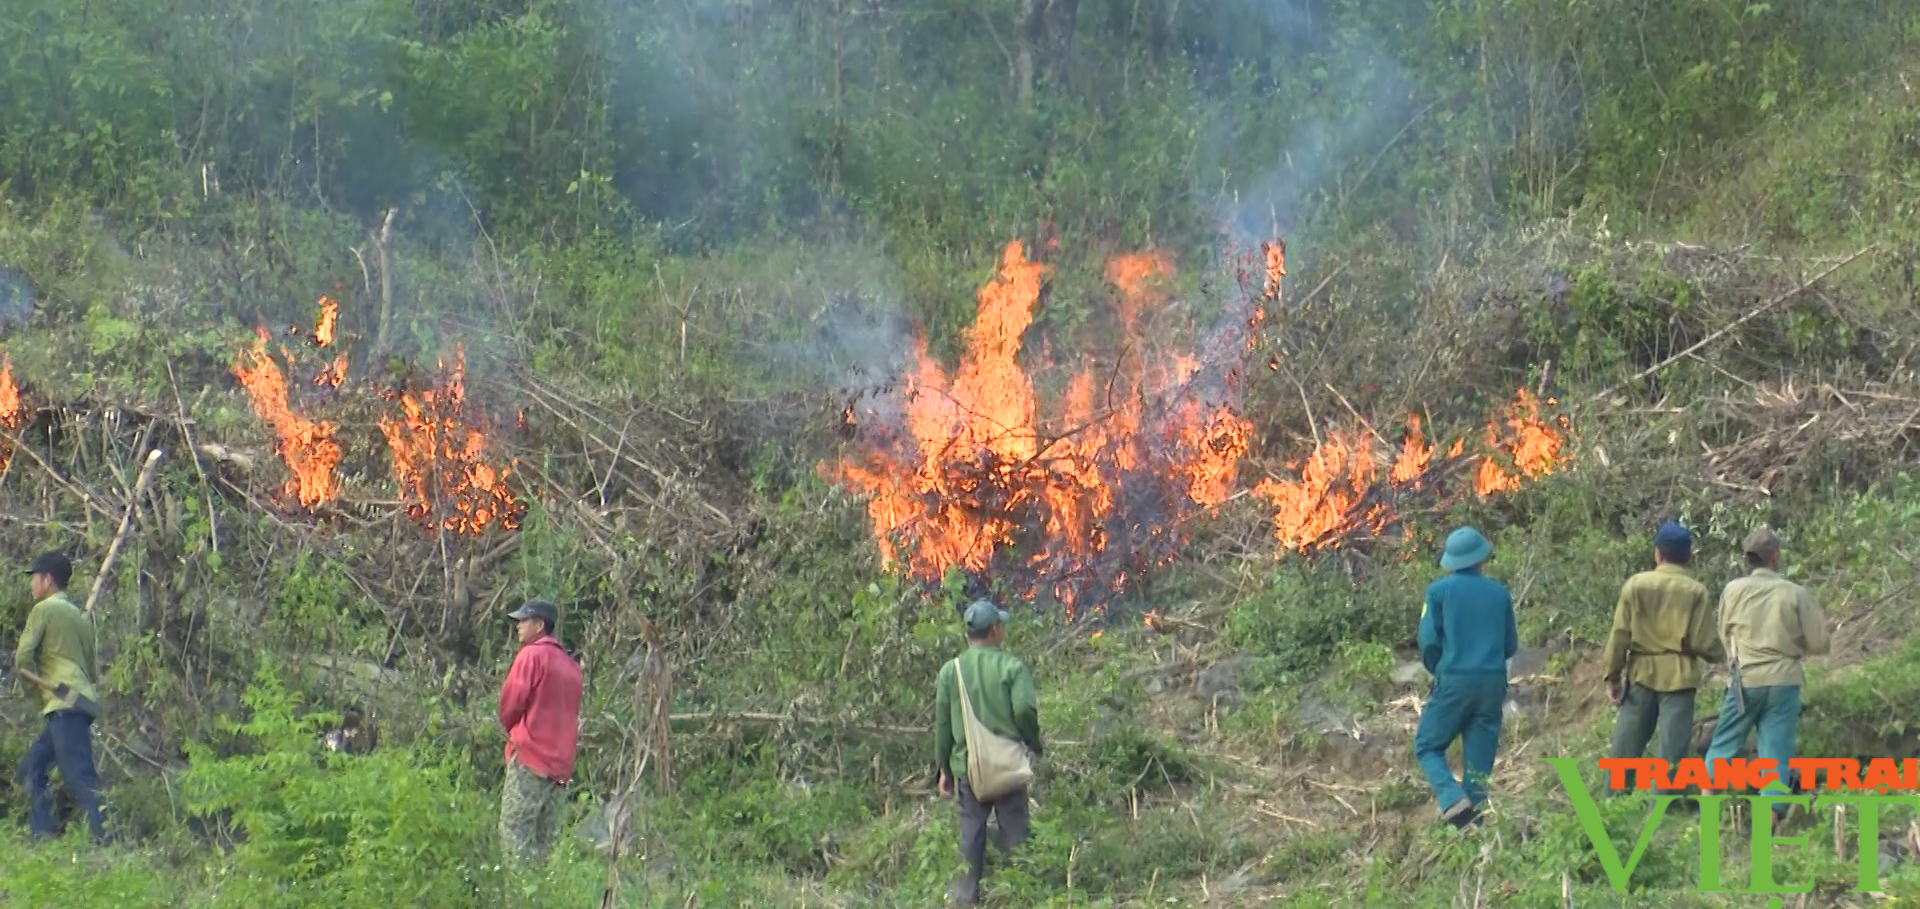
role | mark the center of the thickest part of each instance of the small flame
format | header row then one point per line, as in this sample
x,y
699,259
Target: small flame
x,y
308,447
1414,455
332,375
438,459
329,316
1531,445
12,414
1275,252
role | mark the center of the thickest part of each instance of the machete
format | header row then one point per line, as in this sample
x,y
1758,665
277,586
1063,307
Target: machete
x,y
60,691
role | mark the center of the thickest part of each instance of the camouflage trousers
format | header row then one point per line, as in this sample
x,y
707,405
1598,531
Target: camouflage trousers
x,y
529,814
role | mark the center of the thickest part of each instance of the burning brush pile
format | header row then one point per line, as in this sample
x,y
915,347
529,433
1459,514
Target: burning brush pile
x,y
439,452
1349,487
968,471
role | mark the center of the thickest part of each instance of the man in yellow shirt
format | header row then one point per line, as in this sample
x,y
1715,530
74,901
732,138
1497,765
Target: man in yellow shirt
x,y
57,649
1662,628
1771,625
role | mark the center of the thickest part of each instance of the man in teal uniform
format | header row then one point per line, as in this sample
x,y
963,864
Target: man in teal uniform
x,y
1467,634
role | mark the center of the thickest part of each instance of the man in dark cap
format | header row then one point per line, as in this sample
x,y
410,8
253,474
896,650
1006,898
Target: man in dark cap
x,y
1662,629
540,710
1467,635
56,654
1771,626
999,689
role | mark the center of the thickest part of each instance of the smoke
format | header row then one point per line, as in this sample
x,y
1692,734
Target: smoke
x,y
1353,97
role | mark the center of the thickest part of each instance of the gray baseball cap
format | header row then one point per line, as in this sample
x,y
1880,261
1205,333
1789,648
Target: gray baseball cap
x,y
982,615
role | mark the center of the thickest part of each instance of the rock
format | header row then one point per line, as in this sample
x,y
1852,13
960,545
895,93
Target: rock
x,y
1530,661
1410,674
1221,678
1319,716
18,300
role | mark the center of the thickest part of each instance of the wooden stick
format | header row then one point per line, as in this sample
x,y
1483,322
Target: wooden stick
x,y
126,523
1724,329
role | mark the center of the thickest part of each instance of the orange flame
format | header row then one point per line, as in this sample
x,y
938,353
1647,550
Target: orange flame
x,y
970,472
1532,446
329,316
308,447
1337,493
12,414
437,457
332,375
1414,455
1275,252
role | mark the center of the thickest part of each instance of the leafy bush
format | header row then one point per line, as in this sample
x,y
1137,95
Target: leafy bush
x,y
309,827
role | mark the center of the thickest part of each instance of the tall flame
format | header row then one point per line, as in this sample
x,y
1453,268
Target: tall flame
x,y
438,457
1095,493
308,447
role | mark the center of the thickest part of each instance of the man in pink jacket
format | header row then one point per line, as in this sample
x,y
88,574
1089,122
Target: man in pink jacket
x,y
540,710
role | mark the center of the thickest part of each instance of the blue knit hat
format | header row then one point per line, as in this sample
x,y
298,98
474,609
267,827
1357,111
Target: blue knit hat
x,y
1673,540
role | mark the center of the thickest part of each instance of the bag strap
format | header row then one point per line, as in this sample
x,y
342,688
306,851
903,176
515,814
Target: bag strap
x,y
966,703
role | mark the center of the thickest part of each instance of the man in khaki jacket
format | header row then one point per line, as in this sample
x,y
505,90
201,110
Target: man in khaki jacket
x,y
1771,625
1662,629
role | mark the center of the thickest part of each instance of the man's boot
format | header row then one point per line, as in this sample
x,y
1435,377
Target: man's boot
x,y
963,893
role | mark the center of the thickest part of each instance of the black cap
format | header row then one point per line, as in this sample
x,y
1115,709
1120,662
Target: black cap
x,y
54,564
537,609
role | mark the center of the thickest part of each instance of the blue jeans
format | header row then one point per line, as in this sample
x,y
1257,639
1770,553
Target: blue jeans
x,y
66,742
1466,707
1774,711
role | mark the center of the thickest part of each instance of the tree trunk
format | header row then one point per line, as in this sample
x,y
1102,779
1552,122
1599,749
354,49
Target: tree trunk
x,y
1062,16
1030,33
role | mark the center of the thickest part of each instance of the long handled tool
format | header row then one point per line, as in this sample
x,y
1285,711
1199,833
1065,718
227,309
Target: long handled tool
x,y
60,691
126,523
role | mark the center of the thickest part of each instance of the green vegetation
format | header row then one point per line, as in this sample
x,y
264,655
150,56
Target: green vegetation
x,y
668,237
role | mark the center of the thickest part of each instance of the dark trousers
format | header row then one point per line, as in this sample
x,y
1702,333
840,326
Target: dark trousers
x,y
1009,810
66,742
1643,711
1466,707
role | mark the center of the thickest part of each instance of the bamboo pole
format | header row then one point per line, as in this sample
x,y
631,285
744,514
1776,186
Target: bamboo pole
x,y
126,523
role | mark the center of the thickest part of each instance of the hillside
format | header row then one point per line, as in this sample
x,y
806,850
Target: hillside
x,y
762,336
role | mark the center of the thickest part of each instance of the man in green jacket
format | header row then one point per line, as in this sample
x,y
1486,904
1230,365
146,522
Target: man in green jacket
x,y
1771,626
1000,689
57,648
1662,629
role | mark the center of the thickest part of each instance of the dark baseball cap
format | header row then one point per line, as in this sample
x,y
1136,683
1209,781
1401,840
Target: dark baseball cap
x,y
537,609
55,564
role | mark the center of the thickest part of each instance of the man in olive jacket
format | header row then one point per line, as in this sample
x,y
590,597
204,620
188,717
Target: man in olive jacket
x,y
1001,690
1662,629
1771,626
57,646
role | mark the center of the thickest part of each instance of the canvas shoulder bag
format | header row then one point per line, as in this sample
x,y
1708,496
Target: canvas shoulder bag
x,y
996,766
